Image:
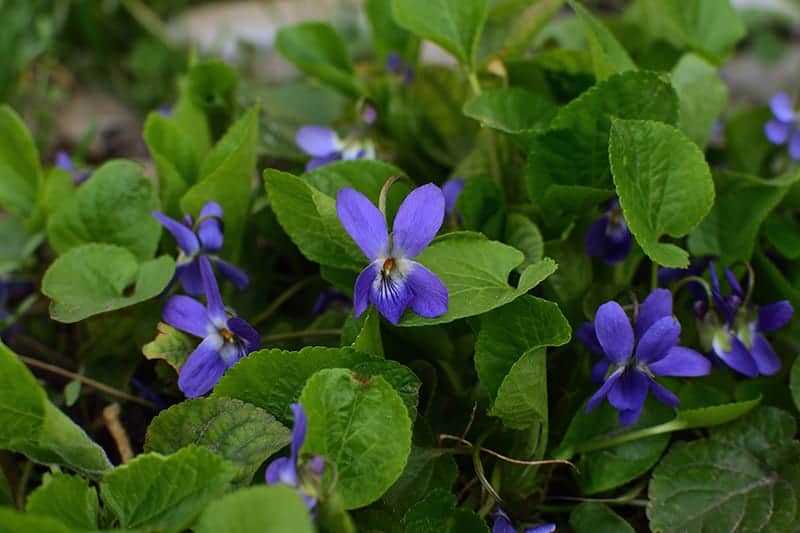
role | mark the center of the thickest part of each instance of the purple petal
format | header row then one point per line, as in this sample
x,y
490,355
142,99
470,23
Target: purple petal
x,y
186,314
369,115
430,295
781,106
681,362
586,335
190,278
317,141
602,392
283,471
657,340
298,430
663,394
794,145
391,296
419,218
596,238
242,329
738,358
363,222
316,162
614,332
722,304
774,316
316,465
452,189
216,309
777,132
765,357
628,417
618,243
599,370
210,228
186,239
64,161
544,528
630,391
733,282
362,288
202,369
233,274
502,524
656,306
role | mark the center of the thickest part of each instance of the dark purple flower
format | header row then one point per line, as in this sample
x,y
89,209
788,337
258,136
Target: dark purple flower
x,y
452,190
9,289
502,524
64,162
165,111
736,329
324,146
289,471
784,129
628,374
327,298
202,238
396,66
225,339
609,237
393,281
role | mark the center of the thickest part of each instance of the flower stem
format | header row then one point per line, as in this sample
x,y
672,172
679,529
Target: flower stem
x,y
473,82
385,193
599,444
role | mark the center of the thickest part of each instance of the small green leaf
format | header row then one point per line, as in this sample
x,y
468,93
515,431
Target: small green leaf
x,y
316,49
368,339
97,278
211,86
597,518
20,171
157,492
69,499
238,432
266,509
511,109
174,157
438,513
525,236
171,345
713,415
455,25
72,391
387,36
17,245
608,56
362,426
664,185
702,96
521,400
88,217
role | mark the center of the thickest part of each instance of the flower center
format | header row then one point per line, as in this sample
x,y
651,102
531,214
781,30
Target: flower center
x,y
227,335
388,265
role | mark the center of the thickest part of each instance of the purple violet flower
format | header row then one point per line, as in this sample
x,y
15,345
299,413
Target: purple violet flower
x,y
736,329
64,162
396,66
289,471
203,239
502,524
784,129
452,190
632,372
225,339
609,237
325,146
393,281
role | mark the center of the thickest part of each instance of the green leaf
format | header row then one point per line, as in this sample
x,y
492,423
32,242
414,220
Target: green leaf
x,y
88,217
608,56
12,521
597,518
267,509
211,86
455,25
69,499
511,109
521,400
783,233
438,513
725,232
226,177
399,376
760,432
481,207
56,190
174,157
387,36
157,492
368,339
238,432
478,280
664,185
17,245
794,382
702,96
512,26
362,426
171,345
525,236
5,491
20,171
316,49
97,278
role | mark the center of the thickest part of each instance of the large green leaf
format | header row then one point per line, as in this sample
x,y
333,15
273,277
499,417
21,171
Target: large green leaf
x,y
69,499
608,56
597,518
511,109
387,36
664,185
114,207
20,171
702,96
12,521
361,425
316,49
725,232
237,431
455,25
438,513
165,493
266,509
97,278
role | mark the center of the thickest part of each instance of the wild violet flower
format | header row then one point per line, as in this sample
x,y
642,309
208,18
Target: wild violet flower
x,y
735,329
325,146
502,524
452,190
393,281
201,238
396,66
288,470
64,162
225,339
784,128
609,237
628,374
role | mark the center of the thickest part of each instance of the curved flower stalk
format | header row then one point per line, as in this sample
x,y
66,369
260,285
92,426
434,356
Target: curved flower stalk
x,y
609,237
393,281
784,129
325,146
304,477
452,190
201,238
225,339
629,374
502,524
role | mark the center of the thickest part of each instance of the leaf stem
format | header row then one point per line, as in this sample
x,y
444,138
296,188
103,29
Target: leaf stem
x,y
473,82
